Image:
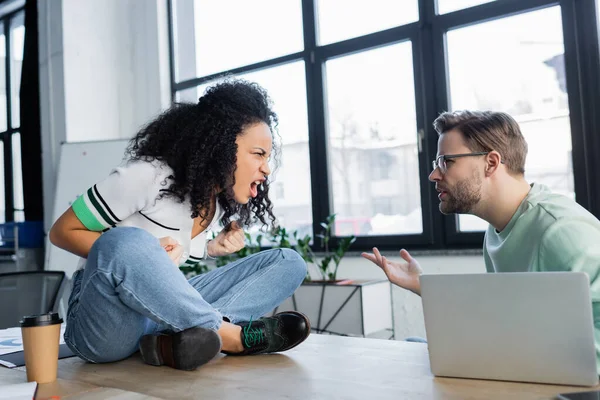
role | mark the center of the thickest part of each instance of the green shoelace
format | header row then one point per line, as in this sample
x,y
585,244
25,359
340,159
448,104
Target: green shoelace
x,y
252,336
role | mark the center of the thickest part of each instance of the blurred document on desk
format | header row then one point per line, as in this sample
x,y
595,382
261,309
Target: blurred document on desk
x,y
11,340
18,391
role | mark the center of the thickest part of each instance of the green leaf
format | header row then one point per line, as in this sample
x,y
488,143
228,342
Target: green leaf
x,y
192,270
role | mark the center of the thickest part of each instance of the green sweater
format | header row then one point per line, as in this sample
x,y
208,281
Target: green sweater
x,y
549,232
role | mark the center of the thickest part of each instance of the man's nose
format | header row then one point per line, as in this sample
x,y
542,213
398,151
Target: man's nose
x,y
435,175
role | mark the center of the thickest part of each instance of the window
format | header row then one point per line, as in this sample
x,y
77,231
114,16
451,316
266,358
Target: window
x,y
358,85
279,191
364,119
12,34
357,18
382,164
17,37
527,81
247,30
446,6
285,82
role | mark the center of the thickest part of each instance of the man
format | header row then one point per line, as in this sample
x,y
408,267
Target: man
x,y
480,170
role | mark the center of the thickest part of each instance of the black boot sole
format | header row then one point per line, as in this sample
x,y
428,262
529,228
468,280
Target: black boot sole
x,y
185,350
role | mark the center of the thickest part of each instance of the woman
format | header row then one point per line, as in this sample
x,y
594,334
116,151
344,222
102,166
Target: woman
x,y
194,166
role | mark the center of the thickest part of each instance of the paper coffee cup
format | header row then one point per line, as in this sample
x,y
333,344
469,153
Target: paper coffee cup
x,y
41,337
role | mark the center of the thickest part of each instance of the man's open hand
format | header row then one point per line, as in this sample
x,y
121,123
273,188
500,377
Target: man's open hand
x,y
404,274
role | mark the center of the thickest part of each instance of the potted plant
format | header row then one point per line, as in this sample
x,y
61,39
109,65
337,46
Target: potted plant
x,y
327,266
338,306
335,306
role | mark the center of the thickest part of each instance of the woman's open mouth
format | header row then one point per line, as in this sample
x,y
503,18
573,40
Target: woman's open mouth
x,y
254,188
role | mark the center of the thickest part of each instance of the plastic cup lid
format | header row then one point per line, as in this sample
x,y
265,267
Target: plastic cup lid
x,y
41,320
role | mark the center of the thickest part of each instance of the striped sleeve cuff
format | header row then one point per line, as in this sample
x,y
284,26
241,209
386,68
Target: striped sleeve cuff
x,y
93,212
191,261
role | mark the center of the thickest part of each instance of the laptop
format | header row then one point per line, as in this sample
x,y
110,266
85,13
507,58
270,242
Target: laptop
x,y
525,326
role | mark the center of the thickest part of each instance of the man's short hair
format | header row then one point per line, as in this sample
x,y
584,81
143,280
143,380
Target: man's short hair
x,y
487,131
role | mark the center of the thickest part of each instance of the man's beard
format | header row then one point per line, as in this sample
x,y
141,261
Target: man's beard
x,y
464,196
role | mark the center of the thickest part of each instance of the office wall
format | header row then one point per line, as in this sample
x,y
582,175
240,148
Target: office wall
x,y
104,69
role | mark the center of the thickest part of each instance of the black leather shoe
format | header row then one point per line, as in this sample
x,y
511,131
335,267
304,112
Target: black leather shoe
x,y
280,332
185,350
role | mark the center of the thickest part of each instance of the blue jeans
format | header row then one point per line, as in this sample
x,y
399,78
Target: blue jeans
x,y
130,288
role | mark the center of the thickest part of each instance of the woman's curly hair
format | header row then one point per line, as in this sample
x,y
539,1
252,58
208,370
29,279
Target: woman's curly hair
x,y
198,141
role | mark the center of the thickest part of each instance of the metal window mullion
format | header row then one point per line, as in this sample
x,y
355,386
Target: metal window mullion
x,y
194,82
8,177
369,41
317,131
7,63
488,12
425,97
11,14
448,234
445,226
171,33
8,156
587,21
582,62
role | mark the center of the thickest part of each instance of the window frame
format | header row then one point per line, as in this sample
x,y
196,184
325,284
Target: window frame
x,y
11,12
440,232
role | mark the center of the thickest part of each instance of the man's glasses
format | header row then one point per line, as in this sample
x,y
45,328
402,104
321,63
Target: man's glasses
x,y
440,161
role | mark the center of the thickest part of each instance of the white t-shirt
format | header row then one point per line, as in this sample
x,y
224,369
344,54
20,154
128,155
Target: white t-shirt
x,y
129,196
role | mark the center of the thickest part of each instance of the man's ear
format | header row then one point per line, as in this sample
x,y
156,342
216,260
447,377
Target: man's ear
x,y
493,160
